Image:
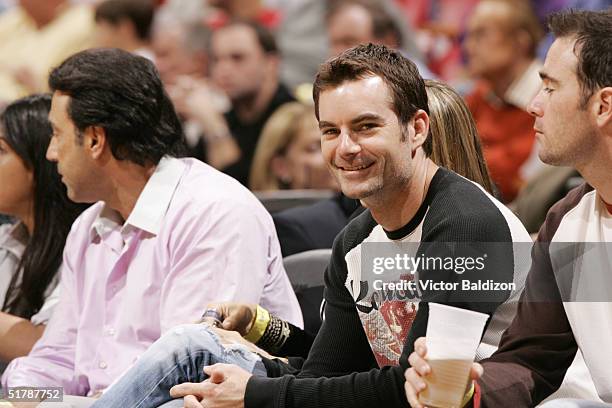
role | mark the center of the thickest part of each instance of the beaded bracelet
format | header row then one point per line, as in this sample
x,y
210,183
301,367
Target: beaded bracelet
x,y
275,336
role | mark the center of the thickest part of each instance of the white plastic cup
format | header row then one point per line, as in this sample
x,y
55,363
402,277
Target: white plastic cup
x,y
453,335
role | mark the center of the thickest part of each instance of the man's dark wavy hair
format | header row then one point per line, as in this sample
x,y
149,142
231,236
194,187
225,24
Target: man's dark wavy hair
x,y
123,94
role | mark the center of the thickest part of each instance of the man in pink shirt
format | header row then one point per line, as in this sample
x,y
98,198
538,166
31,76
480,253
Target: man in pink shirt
x,y
166,236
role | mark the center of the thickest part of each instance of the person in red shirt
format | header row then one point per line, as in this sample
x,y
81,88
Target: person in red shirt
x,y
501,42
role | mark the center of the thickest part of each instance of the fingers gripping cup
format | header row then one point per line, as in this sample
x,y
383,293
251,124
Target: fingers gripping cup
x,y
453,335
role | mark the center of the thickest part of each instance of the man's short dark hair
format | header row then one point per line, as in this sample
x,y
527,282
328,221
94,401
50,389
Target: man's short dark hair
x,y
123,94
399,74
138,12
593,33
265,38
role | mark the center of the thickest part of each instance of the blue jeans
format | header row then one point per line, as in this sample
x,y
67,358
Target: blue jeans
x,y
178,356
574,403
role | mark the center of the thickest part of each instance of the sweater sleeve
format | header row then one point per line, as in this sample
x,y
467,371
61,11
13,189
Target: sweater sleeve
x,y
297,345
539,346
340,369
535,351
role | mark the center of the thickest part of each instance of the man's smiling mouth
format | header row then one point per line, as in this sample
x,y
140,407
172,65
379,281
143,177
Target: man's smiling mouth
x,y
355,168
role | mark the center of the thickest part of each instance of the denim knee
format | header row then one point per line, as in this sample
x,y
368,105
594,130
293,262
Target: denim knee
x,y
191,333
186,339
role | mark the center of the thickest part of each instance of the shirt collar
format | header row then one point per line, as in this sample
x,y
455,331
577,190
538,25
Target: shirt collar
x,y
15,240
152,204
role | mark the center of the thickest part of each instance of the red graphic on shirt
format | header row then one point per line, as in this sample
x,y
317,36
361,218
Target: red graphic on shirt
x,y
387,326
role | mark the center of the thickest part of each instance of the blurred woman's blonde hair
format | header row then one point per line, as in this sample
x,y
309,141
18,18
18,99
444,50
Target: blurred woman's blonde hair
x,y
278,133
453,140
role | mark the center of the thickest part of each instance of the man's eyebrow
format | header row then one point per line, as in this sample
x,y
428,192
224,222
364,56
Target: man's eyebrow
x,y
361,118
324,124
367,116
546,77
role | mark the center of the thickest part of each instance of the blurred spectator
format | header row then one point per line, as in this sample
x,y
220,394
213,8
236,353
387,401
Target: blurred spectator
x,y
303,36
180,46
353,22
439,24
244,64
288,154
501,43
186,11
247,10
244,71
35,36
181,43
201,106
125,24
302,40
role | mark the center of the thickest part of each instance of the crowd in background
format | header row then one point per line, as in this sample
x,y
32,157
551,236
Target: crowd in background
x,y
228,66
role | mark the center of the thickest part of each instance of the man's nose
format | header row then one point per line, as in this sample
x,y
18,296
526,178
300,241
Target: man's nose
x,y
348,146
52,150
535,106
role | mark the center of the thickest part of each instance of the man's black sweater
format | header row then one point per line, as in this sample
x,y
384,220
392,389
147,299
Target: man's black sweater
x,y
341,369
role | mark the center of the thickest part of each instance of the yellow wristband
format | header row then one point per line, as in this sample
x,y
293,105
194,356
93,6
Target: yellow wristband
x,y
262,319
468,396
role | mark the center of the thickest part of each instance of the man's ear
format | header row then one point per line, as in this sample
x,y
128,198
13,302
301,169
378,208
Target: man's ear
x,y
421,129
603,107
95,141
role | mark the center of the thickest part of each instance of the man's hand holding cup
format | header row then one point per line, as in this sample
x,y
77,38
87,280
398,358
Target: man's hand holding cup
x,y
442,369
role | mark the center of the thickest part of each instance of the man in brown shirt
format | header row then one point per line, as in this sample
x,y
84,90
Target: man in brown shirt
x,y
573,122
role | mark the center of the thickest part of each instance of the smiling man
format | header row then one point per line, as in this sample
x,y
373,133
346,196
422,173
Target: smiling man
x,y
373,114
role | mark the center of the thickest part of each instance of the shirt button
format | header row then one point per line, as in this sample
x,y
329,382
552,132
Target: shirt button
x,y
102,365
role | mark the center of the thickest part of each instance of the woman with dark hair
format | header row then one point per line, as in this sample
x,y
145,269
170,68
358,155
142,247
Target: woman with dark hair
x,y
32,192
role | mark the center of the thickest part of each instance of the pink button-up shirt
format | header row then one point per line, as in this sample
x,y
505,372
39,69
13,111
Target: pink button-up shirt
x,y
195,236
